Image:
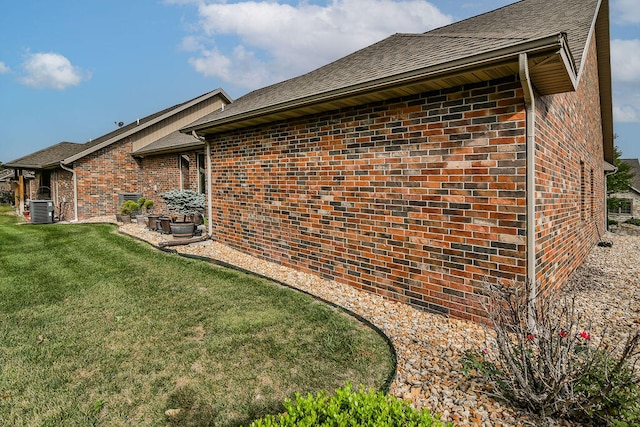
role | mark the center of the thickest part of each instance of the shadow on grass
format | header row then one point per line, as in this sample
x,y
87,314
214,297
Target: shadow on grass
x,y
186,407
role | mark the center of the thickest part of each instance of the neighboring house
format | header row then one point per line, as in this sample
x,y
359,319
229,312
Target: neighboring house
x,y
5,179
20,182
425,164
91,179
630,207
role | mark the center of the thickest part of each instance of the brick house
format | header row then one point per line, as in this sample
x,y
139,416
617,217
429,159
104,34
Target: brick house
x,y
91,179
424,164
631,207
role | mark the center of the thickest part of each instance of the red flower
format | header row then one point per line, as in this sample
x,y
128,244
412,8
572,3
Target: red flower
x,y
530,337
563,333
485,351
585,335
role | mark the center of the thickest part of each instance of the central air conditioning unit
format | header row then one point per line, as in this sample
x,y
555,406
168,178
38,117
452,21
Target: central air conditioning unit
x,y
41,211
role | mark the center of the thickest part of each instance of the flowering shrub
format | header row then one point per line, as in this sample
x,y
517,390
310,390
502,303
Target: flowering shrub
x,y
544,358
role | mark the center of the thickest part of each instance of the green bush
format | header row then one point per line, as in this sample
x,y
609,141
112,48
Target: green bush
x,y
612,222
129,207
349,408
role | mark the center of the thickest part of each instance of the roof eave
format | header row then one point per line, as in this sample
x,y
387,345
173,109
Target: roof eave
x,y
603,46
137,129
169,150
554,43
30,166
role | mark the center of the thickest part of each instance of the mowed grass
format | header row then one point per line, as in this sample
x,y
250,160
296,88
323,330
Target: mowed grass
x,y
99,329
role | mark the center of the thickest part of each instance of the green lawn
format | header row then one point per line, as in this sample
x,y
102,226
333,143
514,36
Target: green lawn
x,y
100,329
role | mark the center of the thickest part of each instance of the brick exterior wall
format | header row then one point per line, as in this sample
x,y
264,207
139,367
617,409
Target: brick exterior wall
x,y
159,174
417,199
570,181
103,175
422,198
62,183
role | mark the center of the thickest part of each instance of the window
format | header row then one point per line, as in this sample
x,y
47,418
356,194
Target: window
x,y
202,174
620,206
183,164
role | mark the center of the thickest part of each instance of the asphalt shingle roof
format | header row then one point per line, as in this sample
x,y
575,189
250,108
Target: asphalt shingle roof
x,y
47,157
511,25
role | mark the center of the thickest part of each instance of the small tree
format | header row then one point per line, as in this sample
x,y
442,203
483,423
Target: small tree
x,y
621,180
185,202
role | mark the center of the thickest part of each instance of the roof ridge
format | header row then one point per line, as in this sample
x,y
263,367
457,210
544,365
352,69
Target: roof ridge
x,y
448,36
474,16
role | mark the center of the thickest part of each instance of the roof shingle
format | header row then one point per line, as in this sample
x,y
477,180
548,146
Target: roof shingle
x,y
508,26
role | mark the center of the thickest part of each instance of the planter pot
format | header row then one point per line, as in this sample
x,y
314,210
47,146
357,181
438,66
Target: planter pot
x,y
154,222
123,218
182,230
141,220
165,224
196,219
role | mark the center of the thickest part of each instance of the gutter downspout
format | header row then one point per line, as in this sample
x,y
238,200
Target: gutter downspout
x,y
606,195
207,153
530,107
75,191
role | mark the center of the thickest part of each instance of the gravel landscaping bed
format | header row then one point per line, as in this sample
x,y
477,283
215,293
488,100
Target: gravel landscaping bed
x,y
429,346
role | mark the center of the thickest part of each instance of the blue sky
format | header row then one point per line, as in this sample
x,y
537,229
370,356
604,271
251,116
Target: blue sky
x,y
71,69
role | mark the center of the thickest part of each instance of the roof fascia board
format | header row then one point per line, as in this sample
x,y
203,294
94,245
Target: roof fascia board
x,y
137,129
569,62
31,166
603,53
592,31
169,150
552,42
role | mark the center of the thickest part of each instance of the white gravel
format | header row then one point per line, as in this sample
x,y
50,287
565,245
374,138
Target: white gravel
x,y
429,346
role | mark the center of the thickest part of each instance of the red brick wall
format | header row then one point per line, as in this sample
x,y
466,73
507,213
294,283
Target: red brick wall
x,y
162,173
417,199
103,175
62,183
569,158
110,171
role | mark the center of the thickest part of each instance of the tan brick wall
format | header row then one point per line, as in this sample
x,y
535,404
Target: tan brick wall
x,y
570,208
417,199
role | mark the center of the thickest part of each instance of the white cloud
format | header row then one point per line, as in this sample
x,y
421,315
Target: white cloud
x,y
274,41
626,113
627,11
4,68
52,71
625,69
625,60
